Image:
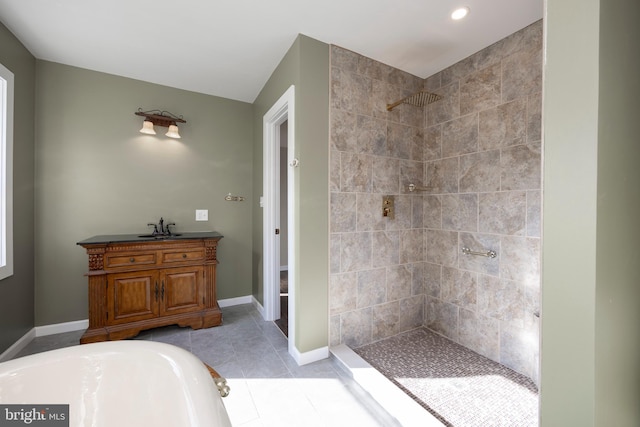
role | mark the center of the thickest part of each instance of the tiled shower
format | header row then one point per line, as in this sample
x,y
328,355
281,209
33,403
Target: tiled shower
x,y
477,154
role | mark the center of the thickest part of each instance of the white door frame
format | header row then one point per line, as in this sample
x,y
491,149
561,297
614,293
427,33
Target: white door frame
x,y
280,112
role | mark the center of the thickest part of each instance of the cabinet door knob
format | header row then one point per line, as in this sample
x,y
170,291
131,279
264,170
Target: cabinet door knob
x,y
132,259
184,255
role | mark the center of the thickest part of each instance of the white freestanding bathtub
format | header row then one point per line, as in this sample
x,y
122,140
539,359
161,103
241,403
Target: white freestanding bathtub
x,y
118,383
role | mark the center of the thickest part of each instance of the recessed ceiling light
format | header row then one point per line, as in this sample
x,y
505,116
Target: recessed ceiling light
x,y
459,13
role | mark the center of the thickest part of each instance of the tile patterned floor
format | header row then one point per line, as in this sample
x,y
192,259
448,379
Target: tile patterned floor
x,y
458,386
268,388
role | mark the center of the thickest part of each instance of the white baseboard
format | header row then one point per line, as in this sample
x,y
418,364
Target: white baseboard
x,y
235,301
60,328
11,352
258,306
308,356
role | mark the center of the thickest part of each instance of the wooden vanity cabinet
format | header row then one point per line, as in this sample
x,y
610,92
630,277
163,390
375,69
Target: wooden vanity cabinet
x,y
140,285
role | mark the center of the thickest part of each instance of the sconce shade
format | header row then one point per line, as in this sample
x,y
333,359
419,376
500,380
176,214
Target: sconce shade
x,y
160,118
147,127
173,132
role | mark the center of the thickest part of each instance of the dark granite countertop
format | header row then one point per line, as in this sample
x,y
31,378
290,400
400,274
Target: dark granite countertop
x,y
120,238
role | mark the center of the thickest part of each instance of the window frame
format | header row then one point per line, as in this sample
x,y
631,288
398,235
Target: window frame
x,y
6,171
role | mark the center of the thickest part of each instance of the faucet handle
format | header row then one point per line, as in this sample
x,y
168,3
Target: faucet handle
x,y
168,229
155,227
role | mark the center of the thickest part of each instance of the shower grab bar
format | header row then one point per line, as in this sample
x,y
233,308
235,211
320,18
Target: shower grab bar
x,y
488,254
413,187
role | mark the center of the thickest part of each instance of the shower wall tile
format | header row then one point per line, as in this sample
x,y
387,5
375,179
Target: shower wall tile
x,y
432,279
481,243
501,299
368,212
375,152
503,212
433,82
355,172
344,59
480,172
402,141
460,136
482,144
447,108
460,212
480,334
442,175
355,327
503,126
412,246
521,167
432,211
478,151
343,288
534,117
433,143
370,135
411,172
411,312
517,348
343,212
418,278
334,257
534,212
522,74
398,282
334,330
459,287
334,179
385,320
371,288
458,70
385,175
417,212
442,317
480,90
386,248
402,218
442,247
520,259
343,135
355,251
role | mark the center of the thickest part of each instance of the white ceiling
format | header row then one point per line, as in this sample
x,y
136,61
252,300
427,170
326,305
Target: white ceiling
x,y
229,48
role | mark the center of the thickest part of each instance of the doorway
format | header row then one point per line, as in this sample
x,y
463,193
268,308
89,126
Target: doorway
x,y
279,165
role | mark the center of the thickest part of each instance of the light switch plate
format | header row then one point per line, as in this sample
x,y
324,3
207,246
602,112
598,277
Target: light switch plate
x,y
202,215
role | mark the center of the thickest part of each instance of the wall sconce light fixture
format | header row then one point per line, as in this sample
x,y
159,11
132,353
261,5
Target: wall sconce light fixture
x,y
160,118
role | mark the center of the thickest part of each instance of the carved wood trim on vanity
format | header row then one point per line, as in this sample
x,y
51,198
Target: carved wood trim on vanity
x,y
138,285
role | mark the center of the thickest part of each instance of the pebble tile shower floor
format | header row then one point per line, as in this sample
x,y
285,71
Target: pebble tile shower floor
x,y
458,386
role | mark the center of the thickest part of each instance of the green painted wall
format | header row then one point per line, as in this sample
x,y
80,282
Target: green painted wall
x,y
617,339
96,174
306,65
17,291
590,344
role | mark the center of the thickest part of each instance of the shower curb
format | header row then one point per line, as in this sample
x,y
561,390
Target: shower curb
x,y
402,408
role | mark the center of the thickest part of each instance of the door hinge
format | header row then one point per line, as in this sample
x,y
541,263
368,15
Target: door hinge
x,y
277,231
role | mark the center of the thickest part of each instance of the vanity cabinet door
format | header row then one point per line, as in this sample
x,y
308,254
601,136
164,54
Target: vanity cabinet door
x,y
132,296
182,290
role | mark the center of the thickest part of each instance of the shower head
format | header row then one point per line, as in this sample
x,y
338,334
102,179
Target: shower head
x,y
418,99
